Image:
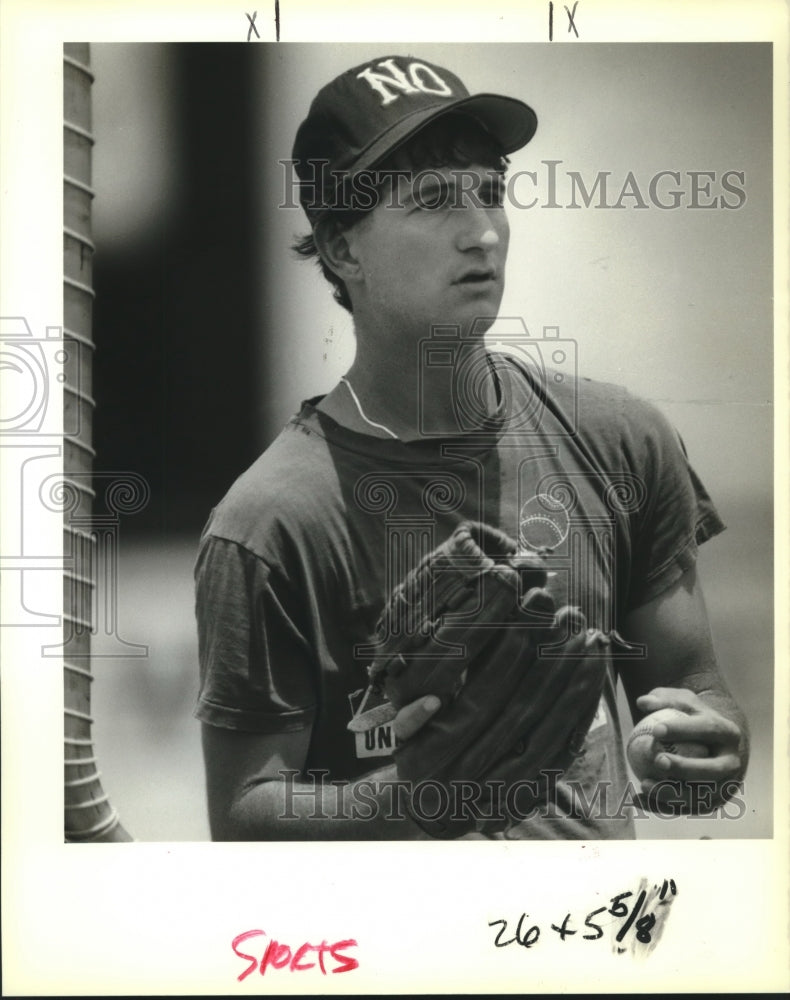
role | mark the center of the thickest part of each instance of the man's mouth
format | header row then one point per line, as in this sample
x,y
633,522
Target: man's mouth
x,y
476,277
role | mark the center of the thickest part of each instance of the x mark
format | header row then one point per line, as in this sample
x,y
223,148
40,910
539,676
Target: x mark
x,y
571,14
255,14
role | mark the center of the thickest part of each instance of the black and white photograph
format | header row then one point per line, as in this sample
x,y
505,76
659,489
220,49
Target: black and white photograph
x,y
620,259
402,467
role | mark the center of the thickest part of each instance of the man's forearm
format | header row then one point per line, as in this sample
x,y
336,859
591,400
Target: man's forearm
x,y
722,702
370,808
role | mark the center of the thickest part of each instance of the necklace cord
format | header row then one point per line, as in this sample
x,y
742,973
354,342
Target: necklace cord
x,y
372,423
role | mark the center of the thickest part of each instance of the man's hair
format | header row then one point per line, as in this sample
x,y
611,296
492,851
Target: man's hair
x,y
453,140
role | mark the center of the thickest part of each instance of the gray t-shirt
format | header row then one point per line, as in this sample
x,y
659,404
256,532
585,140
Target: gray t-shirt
x,y
298,559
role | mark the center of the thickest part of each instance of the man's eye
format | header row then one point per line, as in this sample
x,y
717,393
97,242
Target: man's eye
x,y
492,196
432,199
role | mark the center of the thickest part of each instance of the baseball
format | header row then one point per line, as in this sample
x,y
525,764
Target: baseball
x,y
643,747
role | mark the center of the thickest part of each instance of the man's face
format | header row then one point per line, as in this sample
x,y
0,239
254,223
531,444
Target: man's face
x,y
434,253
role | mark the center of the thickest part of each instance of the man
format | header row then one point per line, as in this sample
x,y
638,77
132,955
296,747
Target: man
x,y
402,177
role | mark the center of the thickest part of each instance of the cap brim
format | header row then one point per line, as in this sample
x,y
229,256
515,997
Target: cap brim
x,y
512,122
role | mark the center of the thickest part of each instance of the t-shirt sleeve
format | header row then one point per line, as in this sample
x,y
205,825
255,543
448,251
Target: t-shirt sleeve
x,y
675,515
256,670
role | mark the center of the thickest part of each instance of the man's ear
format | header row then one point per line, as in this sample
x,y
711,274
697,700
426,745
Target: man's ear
x,y
333,245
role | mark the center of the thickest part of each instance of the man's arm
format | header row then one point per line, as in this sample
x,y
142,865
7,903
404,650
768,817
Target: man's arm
x,y
249,799
680,671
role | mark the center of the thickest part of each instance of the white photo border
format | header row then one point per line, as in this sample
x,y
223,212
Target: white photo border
x,y
159,918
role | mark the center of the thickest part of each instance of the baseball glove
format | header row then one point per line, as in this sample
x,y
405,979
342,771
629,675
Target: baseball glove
x,y
519,681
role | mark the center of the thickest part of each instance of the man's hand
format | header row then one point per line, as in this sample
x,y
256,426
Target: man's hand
x,y
412,717
679,671
693,783
409,720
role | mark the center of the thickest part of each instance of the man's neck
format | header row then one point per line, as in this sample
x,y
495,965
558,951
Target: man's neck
x,y
404,394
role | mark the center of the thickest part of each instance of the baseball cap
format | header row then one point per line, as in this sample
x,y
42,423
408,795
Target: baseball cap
x,y
367,112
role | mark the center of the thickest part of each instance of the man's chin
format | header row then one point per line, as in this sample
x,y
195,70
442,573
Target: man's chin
x,y
471,321
482,311
474,326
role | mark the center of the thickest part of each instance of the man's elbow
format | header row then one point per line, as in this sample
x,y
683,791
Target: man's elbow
x,y
251,814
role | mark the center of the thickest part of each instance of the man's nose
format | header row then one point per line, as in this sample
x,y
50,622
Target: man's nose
x,y
478,230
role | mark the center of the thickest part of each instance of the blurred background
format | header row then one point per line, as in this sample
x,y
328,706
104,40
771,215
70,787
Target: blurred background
x,y
209,333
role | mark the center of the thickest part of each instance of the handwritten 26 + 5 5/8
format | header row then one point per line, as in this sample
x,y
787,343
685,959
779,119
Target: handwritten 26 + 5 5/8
x,y
634,917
